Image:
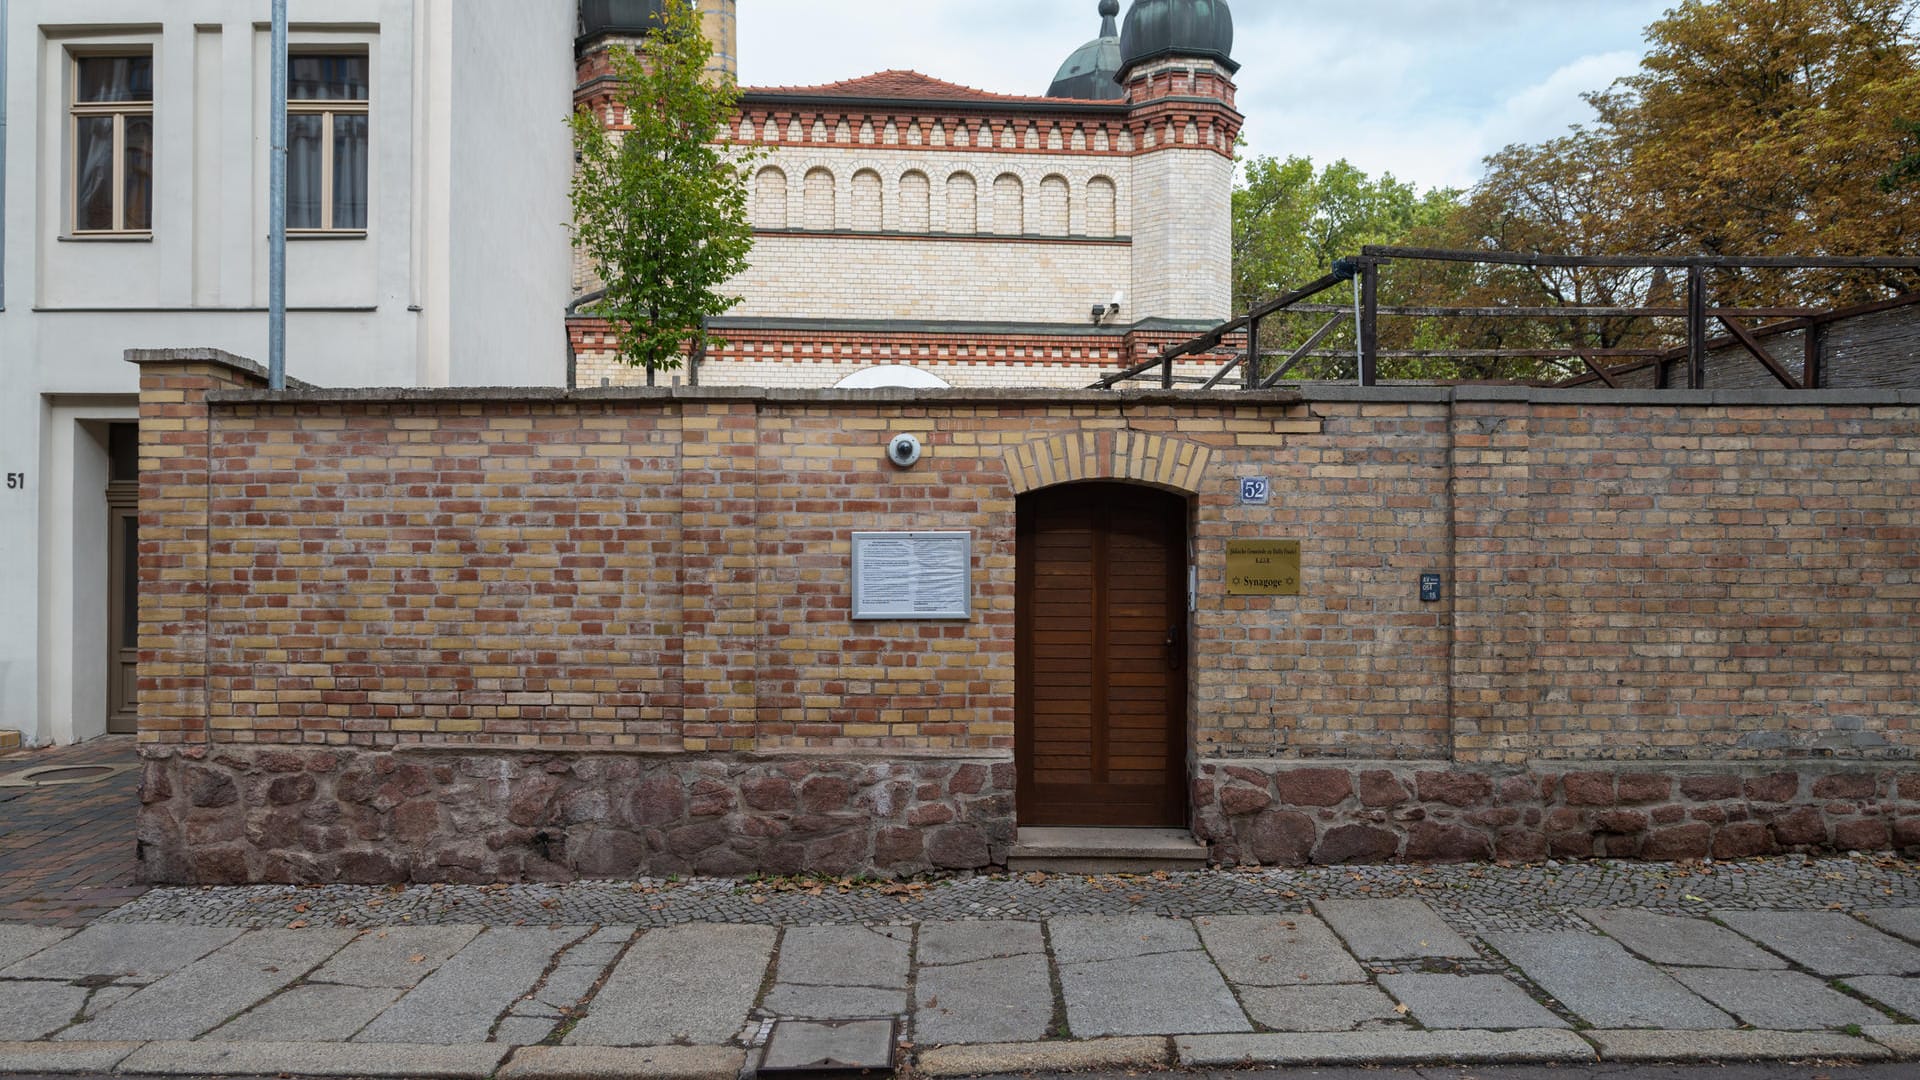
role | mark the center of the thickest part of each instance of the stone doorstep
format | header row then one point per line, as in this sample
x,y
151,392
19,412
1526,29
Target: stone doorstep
x,y
1105,851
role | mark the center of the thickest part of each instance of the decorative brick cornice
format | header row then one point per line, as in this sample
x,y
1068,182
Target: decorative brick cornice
x,y
1181,105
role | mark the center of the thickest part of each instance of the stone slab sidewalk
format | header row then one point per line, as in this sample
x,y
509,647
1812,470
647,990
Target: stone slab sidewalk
x,y
1340,977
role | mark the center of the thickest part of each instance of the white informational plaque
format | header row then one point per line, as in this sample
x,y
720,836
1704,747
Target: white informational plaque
x,y
913,575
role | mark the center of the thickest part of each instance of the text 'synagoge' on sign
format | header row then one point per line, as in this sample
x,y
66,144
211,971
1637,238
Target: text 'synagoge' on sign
x,y
1263,568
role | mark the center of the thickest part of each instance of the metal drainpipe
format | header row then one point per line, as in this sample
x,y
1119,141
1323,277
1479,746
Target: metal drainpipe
x,y
277,210
3,155
573,359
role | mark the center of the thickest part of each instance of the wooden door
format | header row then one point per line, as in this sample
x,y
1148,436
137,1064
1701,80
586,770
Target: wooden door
x,y
1101,684
123,615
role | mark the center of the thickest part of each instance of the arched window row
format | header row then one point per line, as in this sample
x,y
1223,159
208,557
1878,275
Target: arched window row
x,y
958,203
953,132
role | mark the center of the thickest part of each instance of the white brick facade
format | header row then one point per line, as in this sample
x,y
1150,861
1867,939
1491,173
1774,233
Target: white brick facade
x,y
931,278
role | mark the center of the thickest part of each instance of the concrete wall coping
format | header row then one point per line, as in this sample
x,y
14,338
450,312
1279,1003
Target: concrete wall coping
x,y
751,394
207,355
198,751
303,394
1543,395
1718,766
1582,396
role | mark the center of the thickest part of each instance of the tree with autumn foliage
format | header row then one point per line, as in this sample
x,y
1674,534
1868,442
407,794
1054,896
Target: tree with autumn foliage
x,y
659,208
1752,127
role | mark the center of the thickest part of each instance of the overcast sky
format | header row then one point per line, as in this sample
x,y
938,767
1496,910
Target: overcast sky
x,y
1420,88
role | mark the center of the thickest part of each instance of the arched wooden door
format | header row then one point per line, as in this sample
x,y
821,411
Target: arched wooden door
x,y
1102,684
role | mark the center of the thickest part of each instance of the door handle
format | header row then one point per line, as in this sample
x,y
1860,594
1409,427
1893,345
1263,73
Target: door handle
x,y
1176,655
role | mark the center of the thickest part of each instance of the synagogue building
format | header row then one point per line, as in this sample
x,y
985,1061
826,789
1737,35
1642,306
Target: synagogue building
x,y
912,231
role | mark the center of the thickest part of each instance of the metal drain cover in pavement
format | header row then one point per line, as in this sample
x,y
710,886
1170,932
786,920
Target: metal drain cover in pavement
x,y
813,1046
61,775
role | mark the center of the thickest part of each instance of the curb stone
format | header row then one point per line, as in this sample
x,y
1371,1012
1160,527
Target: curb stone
x,y
1902,1039
990,1058
73,1057
1718,1046
398,1060
1526,1046
620,1063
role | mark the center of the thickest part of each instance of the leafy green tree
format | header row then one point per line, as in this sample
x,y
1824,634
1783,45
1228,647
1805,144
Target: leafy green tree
x,y
660,209
1291,223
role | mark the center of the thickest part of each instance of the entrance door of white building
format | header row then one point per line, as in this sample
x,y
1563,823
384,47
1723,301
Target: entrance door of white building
x,y
123,580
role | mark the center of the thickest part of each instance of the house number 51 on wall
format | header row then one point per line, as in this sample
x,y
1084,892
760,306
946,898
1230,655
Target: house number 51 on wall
x,y
16,481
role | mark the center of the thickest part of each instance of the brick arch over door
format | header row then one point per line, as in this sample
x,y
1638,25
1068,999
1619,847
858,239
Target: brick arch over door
x,y
1171,464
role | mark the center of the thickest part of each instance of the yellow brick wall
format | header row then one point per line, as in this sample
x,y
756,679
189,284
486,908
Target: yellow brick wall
x,y
671,571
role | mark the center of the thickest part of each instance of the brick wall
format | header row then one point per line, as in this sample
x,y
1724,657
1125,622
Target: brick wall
x,y
1723,579
667,573
1876,347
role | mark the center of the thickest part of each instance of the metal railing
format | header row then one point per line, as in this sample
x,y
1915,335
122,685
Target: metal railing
x,y
1602,364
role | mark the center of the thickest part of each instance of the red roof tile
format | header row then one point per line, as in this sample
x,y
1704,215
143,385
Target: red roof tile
x,y
898,86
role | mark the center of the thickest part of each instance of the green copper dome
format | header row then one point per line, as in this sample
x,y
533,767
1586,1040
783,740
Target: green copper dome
x,y
1199,29
635,17
1090,73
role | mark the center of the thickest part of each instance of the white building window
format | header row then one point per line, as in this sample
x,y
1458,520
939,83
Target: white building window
x,y
112,144
327,143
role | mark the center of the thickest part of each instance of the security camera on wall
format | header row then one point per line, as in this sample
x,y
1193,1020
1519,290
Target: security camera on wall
x,y
904,451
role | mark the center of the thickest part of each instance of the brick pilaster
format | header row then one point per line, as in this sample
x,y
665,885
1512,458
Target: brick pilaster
x,y
719,604
175,467
1494,552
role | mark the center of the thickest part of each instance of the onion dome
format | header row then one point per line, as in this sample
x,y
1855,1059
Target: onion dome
x,y
1090,74
625,17
1197,29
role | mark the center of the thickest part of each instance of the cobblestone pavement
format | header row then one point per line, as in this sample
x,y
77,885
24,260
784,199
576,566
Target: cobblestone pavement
x,y
66,851
1358,978
1471,898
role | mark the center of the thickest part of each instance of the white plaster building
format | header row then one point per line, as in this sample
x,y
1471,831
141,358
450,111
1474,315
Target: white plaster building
x,y
430,162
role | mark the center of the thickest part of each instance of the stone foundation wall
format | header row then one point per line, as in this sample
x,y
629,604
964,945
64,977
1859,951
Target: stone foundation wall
x,y
239,815
1290,813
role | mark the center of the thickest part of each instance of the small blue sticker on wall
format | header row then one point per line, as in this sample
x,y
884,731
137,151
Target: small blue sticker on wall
x,y
1430,588
1255,491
